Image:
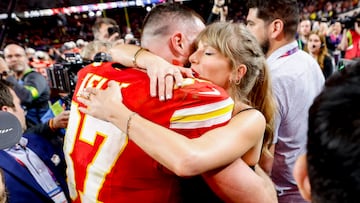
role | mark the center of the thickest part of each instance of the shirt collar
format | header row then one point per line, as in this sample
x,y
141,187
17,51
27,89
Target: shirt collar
x,y
280,51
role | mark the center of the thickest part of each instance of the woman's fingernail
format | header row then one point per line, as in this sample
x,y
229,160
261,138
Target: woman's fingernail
x,y
162,98
168,96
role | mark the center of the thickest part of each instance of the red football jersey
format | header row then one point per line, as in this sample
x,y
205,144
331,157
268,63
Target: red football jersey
x,y
104,166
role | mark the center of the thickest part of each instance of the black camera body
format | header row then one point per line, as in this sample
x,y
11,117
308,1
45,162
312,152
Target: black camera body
x,y
63,76
348,22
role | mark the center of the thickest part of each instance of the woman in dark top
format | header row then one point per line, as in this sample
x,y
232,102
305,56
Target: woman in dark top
x,y
316,47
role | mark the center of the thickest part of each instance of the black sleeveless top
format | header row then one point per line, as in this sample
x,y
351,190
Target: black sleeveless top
x,y
195,189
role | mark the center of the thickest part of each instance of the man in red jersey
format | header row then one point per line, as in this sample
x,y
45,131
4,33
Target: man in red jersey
x,y
103,165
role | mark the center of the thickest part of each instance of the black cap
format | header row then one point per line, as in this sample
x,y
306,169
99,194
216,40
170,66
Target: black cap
x,y
10,130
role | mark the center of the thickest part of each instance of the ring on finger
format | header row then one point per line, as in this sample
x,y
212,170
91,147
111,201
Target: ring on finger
x,y
168,74
94,91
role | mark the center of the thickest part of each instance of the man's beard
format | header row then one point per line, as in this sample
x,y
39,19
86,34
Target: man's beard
x,y
265,45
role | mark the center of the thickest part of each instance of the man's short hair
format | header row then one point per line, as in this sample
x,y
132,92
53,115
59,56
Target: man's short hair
x,y
285,10
162,16
333,152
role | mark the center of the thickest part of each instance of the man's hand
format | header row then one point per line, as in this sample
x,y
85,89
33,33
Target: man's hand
x,y
237,182
61,120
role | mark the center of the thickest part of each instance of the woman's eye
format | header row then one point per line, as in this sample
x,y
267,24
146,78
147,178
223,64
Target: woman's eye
x,y
208,53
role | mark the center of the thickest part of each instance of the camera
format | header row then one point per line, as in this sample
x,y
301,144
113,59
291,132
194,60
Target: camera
x,y
62,77
347,22
113,30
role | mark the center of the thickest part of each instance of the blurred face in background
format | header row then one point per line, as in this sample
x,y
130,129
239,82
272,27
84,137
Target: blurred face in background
x,y
103,33
16,58
305,27
314,44
337,28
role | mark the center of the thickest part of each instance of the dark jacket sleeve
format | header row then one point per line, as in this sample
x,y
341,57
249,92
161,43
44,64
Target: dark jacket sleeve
x,y
328,67
23,93
44,130
33,87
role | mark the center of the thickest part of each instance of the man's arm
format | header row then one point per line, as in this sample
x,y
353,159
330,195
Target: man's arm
x,y
267,159
237,182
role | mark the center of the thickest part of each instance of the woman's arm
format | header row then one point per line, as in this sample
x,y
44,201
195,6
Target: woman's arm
x,y
182,155
156,67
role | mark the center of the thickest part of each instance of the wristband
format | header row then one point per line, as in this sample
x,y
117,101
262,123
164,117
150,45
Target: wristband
x,y
51,124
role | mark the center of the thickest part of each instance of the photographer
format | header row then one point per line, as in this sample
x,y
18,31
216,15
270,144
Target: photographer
x,y
350,41
30,86
219,11
106,29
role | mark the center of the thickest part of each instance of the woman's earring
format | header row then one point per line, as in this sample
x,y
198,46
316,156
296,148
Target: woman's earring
x,y
237,82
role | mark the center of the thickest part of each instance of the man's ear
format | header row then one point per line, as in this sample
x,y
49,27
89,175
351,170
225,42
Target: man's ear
x,y
177,44
277,27
4,108
301,177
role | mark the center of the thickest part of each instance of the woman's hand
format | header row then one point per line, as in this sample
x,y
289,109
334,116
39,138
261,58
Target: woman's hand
x,y
101,103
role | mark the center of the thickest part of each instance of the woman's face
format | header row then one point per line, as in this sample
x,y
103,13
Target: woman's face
x,y
208,63
314,44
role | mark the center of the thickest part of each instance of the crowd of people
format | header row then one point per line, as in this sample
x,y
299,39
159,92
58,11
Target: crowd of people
x,y
231,107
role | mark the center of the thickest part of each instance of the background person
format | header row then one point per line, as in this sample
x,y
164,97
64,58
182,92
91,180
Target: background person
x,y
303,34
296,81
317,48
106,29
33,168
30,86
333,140
350,41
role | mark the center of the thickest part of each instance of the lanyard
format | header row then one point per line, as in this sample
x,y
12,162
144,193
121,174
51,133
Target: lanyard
x,y
290,52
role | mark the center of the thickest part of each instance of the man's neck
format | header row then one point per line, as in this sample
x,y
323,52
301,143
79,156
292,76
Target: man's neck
x,y
275,45
20,74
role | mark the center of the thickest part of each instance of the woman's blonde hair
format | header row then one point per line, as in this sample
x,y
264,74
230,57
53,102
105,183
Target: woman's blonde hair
x,y
235,42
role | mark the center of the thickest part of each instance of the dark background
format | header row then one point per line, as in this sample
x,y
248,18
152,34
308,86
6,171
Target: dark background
x,y
55,30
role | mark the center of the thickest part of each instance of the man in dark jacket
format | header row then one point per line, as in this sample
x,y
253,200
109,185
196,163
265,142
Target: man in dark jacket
x,y
33,168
